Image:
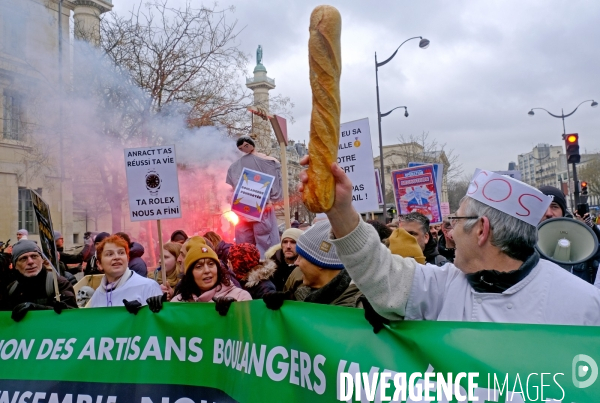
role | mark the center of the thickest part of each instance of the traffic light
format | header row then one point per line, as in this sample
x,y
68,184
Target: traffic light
x,y
584,188
572,148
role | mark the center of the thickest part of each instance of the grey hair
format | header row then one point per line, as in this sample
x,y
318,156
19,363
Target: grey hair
x,y
418,218
512,236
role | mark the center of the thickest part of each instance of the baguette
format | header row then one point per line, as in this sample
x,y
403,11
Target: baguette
x,y
325,61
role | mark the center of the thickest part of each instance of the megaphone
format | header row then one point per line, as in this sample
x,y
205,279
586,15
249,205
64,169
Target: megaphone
x,y
566,241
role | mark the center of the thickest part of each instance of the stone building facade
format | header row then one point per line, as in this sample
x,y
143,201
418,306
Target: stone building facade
x,y
546,165
30,152
540,166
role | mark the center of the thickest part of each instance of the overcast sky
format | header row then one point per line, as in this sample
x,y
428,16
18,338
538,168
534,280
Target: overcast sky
x,y
489,63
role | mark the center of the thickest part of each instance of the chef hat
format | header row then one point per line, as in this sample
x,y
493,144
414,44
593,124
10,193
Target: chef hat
x,y
509,195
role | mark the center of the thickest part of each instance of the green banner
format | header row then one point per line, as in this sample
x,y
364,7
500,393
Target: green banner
x,y
187,353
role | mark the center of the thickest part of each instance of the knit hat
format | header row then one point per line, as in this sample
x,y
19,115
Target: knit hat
x,y
24,246
243,258
23,232
404,244
557,196
293,233
195,241
101,237
315,246
57,235
197,250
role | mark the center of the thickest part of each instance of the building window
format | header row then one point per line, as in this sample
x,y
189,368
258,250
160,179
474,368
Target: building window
x,y
14,34
27,218
11,116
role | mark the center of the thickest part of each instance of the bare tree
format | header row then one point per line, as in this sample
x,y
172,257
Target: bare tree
x,y
421,148
457,189
161,65
590,173
188,56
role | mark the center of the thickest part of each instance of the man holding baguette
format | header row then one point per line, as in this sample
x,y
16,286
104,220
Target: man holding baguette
x,y
497,275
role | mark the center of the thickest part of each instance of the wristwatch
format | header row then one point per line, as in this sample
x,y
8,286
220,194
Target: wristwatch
x,y
153,182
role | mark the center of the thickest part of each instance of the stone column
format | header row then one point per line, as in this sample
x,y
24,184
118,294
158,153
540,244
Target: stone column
x,y
260,84
86,15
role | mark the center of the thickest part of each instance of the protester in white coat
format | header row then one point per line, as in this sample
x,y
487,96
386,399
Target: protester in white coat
x,y
497,275
120,285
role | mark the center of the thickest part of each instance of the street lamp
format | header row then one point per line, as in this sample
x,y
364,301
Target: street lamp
x,y
563,116
423,44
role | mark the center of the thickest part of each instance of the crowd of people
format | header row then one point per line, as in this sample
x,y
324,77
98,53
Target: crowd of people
x,y
479,264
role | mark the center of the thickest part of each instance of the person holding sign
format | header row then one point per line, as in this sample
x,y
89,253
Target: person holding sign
x,y
262,232
33,289
497,275
170,252
121,286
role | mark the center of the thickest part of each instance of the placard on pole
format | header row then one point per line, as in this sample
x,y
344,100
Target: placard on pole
x,y
153,187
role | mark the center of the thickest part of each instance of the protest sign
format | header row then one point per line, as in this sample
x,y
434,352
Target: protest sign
x,y
445,208
293,355
355,157
513,174
438,174
252,194
415,190
378,184
42,213
152,183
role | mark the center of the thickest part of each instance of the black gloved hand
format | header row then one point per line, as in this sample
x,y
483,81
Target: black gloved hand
x,y
222,304
132,306
21,310
156,303
274,300
375,319
60,306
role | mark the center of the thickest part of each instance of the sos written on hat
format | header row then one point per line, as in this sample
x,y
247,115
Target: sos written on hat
x,y
509,195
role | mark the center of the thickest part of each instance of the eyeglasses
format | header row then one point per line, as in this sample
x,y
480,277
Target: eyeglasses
x,y
453,219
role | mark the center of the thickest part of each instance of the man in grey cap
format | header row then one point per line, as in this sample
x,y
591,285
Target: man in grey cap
x,y
67,258
324,278
22,234
33,289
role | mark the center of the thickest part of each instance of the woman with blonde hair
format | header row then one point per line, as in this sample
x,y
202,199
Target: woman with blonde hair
x,y
171,251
